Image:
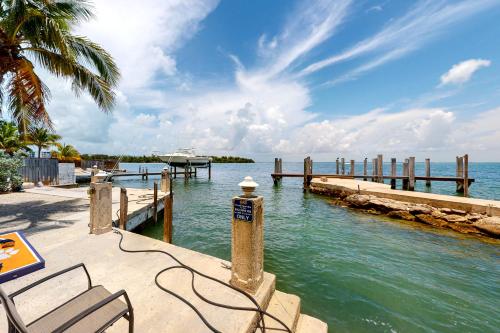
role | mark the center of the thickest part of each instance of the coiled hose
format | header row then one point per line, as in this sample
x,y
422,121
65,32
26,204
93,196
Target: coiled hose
x,y
194,272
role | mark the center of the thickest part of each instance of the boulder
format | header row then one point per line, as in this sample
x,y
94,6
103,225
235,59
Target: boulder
x,y
420,209
388,204
453,218
401,214
489,225
431,220
464,228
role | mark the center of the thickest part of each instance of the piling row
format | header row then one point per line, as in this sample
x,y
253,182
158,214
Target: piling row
x,y
408,177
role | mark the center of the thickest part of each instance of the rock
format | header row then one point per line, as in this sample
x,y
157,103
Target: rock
x,y
431,220
388,204
438,214
489,225
474,217
446,210
372,211
358,200
401,214
452,218
463,228
458,212
420,209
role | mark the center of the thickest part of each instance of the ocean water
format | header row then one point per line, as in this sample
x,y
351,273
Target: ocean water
x,y
357,272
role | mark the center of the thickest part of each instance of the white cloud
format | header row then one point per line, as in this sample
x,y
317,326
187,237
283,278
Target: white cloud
x,y
263,112
462,72
423,22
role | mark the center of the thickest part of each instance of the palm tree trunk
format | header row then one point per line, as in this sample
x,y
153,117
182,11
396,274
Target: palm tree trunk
x,y
39,151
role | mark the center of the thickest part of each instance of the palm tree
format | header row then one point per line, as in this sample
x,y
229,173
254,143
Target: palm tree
x,y
42,138
10,141
65,151
40,31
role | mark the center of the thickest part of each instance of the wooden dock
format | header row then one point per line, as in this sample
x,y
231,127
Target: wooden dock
x,y
408,178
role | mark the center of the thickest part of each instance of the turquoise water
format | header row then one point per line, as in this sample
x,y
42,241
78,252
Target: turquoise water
x,y
359,273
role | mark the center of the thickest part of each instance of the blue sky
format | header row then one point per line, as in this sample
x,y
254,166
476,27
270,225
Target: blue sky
x,y
290,78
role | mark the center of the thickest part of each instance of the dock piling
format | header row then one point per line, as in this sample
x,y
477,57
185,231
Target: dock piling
x,y
393,173
365,169
460,173
428,171
404,185
380,168
466,175
167,218
342,165
123,208
351,171
411,174
155,202
337,167
374,169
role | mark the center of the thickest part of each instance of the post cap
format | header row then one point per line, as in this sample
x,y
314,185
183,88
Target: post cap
x,y
248,185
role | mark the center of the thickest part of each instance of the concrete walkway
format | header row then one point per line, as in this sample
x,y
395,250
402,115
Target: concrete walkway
x,y
59,232
489,207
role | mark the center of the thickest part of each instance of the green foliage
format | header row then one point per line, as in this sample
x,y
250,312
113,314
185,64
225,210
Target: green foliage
x,y
10,179
42,138
65,152
155,159
10,140
40,31
231,159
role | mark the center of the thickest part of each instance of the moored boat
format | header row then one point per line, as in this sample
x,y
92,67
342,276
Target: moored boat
x,y
185,157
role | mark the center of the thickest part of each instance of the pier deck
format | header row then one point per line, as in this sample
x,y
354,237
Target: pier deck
x,y
490,207
57,226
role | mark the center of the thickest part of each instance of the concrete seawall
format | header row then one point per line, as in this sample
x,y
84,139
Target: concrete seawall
x,y
465,215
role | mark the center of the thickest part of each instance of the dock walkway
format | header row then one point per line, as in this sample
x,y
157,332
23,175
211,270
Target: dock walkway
x,y
63,244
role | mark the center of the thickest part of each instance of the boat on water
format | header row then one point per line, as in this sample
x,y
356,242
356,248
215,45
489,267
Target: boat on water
x,y
185,157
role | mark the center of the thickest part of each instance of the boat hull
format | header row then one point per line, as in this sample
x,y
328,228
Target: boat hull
x,y
182,161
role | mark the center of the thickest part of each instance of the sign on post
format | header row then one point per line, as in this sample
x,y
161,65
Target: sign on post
x,y
243,210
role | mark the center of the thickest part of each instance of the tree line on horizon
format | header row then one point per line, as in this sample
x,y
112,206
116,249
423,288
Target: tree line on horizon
x,y
156,159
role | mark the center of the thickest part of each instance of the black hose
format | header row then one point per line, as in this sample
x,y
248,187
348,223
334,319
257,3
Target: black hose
x,y
193,271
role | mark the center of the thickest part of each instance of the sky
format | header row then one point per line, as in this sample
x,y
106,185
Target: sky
x,y
284,78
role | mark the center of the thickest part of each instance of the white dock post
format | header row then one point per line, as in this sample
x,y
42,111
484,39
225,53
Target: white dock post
x,y
165,180
380,168
247,246
393,173
411,174
428,171
365,168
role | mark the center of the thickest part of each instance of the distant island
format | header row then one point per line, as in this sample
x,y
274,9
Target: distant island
x,y
156,159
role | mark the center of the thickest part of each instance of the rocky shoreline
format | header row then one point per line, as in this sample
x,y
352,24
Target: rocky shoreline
x,y
455,219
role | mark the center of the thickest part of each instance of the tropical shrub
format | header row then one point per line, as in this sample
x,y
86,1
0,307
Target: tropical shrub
x,y
10,179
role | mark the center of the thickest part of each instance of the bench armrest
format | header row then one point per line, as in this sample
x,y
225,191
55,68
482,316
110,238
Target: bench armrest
x,y
51,276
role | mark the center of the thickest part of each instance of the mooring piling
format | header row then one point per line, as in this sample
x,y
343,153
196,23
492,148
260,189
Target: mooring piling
x,y
393,173
123,208
428,171
408,176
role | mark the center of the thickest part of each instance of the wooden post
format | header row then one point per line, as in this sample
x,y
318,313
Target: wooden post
x,y
210,170
306,172
393,173
342,165
365,168
155,202
374,169
380,168
337,167
123,208
427,171
352,168
195,172
276,170
411,174
167,218
466,175
147,172
185,173
175,172
460,174
280,166
405,174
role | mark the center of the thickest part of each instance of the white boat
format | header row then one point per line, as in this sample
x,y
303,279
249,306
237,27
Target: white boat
x,y
185,157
